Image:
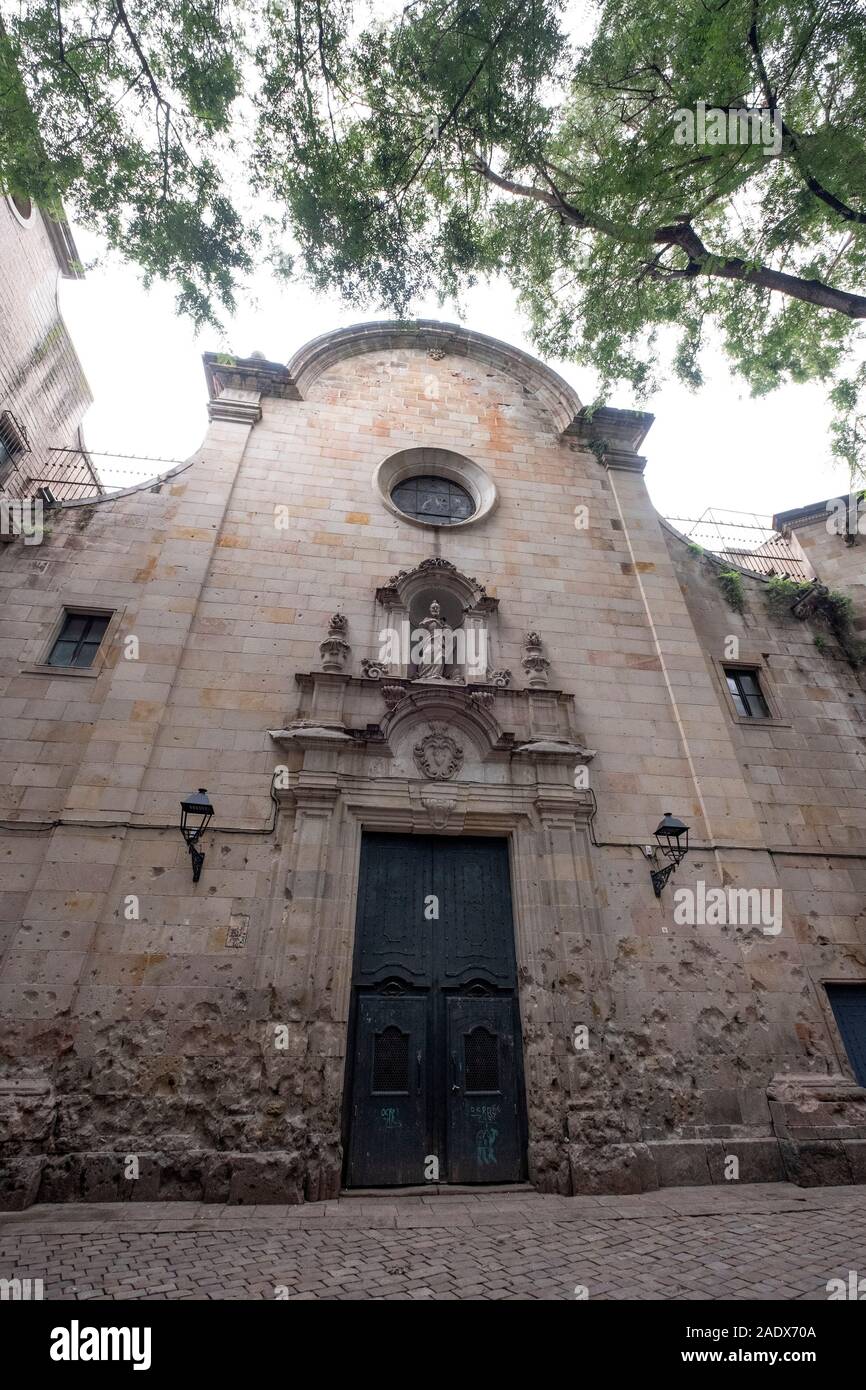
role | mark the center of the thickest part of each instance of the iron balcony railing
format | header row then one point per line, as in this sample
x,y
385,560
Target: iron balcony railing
x,y
744,539
65,474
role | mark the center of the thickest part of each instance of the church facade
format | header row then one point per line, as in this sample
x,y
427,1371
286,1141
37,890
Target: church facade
x,y
534,846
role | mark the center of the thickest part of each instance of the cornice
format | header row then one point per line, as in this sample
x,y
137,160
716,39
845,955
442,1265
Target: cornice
x,y
614,436
226,373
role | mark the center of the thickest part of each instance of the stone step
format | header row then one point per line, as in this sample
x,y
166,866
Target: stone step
x,y
441,1189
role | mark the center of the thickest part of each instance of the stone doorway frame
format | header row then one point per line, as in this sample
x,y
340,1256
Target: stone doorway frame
x,y
430,832
307,961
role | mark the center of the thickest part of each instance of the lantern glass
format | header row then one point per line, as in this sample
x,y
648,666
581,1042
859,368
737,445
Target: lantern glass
x,y
672,837
195,814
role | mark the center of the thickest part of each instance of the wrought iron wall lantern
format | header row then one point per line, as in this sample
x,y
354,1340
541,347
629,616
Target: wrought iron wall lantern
x,y
672,838
195,816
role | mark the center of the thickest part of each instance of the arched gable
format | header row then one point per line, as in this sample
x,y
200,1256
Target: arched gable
x,y
556,397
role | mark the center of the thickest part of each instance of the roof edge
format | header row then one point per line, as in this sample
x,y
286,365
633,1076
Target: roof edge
x,y
807,516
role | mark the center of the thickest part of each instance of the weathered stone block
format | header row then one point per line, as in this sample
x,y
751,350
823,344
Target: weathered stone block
x,y
322,1183
759,1160
815,1163
182,1177
19,1182
101,1177
144,1188
547,1170
614,1168
27,1108
266,1179
855,1152
217,1178
681,1162
62,1178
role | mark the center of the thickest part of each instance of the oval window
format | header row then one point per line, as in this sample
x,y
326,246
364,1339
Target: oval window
x,y
438,501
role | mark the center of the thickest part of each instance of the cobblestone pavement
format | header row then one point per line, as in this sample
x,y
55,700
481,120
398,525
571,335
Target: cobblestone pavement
x,y
751,1242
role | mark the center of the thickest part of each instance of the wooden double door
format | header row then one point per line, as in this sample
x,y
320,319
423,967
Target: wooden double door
x,y
435,1076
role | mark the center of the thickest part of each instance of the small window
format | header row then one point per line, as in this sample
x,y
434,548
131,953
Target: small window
x,y
746,693
79,639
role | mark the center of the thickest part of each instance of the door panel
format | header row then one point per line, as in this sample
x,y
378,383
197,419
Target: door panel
x,y
849,1006
472,881
484,1131
389,1122
434,1007
393,936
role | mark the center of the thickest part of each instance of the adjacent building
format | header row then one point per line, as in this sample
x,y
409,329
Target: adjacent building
x,y
43,392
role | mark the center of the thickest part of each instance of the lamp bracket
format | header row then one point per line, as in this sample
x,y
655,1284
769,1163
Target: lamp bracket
x,y
197,861
660,878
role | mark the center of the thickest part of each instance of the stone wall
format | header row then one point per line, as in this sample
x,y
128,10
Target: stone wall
x,y
145,1017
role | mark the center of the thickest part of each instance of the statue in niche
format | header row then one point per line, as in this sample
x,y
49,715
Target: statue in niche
x,y
433,646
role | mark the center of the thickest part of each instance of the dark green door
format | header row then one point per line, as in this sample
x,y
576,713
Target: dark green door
x,y
434,1080
391,1104
483,1124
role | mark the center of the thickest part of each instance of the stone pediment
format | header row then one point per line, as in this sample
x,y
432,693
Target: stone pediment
x,y
402,586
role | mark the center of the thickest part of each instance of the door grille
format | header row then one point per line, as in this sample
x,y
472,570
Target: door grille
x,y
391,1061
481,1060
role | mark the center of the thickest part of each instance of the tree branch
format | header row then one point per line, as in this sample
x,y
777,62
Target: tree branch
x,y
467,88
61,51
815,292
139,52
682,235
792,139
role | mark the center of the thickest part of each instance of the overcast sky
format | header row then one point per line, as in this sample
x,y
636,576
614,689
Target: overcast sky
x,y
715,448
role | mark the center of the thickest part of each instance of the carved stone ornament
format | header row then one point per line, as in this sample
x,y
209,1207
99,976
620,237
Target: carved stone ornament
x,y
374,670
534,663
432,565
500,679
436,353
393,694
480,699
335,649
435,562
438,808
438,756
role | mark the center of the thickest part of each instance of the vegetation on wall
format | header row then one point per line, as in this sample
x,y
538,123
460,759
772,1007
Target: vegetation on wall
x,y
782,593
832,606
731,585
